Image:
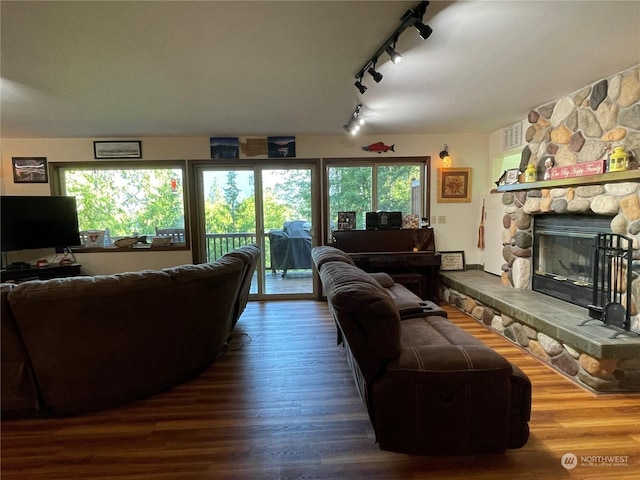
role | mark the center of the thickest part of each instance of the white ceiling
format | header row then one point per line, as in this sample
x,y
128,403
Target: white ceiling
x,y
241,68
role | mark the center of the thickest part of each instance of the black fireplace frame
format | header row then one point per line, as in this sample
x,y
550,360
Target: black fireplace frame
x,y
574,225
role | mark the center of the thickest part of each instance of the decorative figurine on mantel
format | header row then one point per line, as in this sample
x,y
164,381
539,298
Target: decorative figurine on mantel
x,y
548,165
530,173
618,160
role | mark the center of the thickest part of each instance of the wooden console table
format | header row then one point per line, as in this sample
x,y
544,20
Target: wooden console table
x,y
392,251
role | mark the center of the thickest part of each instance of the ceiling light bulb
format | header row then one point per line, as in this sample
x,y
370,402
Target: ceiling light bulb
x,y
362,88
377,76
395,56
360,121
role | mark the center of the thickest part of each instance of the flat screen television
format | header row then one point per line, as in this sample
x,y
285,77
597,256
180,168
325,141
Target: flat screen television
x,y
38,222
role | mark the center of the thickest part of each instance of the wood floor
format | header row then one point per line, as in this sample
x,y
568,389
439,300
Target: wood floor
x,y
282,405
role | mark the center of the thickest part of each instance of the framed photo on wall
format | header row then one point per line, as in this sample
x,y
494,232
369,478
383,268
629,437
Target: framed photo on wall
x,y
454,185
117,149
30,170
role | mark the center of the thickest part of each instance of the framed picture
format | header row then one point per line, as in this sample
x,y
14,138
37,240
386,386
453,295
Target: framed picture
x,y
346,220
224,147
30,170
512,176
117,149
452,261
281,147
454,185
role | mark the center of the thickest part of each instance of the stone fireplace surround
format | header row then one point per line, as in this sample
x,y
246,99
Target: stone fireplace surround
x,y
581,127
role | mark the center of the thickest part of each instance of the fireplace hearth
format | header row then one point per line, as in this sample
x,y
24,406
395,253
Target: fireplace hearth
x,y
563,255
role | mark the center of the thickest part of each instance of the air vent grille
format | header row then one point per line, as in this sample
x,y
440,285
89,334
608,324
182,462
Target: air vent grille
x,y
512,136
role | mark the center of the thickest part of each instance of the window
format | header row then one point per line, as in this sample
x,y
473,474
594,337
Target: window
x,y
126,199
352,186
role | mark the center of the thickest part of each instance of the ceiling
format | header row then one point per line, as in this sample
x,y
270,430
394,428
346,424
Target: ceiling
x,y
243,68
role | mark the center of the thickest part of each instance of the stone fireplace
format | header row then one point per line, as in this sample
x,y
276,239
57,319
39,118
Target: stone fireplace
x,y
563,255
582,127
614,205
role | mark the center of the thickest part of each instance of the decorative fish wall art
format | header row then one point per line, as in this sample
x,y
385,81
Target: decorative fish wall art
x,y
379,147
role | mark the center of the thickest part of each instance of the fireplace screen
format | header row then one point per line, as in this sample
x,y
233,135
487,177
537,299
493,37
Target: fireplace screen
x,y
563,250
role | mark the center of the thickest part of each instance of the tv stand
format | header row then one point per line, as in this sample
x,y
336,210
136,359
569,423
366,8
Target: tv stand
x,y
53,270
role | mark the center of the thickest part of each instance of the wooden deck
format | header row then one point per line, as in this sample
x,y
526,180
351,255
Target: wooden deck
x,y
294,282
281,404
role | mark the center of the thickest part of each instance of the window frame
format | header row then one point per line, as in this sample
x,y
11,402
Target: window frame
x,y
56,174
425,181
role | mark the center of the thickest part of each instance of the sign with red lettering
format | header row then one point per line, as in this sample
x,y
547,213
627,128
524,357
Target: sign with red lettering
x,y
577,170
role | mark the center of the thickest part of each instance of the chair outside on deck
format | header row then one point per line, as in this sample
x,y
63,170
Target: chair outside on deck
x,y
177,235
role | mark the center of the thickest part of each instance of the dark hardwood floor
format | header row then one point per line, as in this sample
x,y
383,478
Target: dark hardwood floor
x,y
281,404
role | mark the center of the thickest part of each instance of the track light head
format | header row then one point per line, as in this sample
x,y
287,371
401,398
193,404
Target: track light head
x,y
377,76
424,30
395,56
362,88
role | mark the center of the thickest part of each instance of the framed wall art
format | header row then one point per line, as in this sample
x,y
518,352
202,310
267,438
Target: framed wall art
x,y
454,185
452,261
30,170
117,149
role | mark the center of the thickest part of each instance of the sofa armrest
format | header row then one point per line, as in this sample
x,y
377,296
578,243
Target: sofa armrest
x,y
443,399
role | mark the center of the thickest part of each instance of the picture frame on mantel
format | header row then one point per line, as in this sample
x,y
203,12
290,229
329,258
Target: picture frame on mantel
x,y
454,185
117,149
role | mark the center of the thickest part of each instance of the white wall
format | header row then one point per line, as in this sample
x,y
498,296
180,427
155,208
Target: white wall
x,y
458,232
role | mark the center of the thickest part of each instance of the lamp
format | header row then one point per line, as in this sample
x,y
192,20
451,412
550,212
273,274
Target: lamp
x,y
393,54
424,30
411,18
446,158
377,76
355,122
362,88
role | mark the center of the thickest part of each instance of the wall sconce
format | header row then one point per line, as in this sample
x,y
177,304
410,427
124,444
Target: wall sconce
x,y
446,158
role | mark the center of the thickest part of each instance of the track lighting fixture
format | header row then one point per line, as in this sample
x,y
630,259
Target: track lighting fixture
x,y
424,30
355,122
362,88
377,76
393,54
446,158
411,18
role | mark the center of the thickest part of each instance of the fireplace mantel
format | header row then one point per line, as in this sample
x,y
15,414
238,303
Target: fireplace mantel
x,y
610,177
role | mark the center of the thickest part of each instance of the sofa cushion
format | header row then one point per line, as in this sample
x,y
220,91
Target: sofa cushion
x,y
360,303
434,330
19,393
384,279
326,253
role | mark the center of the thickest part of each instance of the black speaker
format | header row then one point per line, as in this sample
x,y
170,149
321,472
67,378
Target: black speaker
x,y
395,220
372,220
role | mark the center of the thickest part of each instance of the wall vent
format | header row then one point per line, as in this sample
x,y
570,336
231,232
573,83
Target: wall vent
x,y
512,136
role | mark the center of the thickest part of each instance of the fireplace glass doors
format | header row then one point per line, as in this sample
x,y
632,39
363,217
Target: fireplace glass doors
x,y
563,255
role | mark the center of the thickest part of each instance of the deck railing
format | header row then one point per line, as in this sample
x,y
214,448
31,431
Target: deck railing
x,y
218,244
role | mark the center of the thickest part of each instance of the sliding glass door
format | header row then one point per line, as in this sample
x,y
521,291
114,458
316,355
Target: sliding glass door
x,y
268,206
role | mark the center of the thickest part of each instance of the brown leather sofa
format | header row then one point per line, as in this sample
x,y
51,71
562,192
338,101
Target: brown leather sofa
x,y
250,256
77,344
429,387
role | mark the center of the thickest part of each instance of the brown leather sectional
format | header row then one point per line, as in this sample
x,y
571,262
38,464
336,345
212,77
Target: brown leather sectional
x,y
429,387
77,344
